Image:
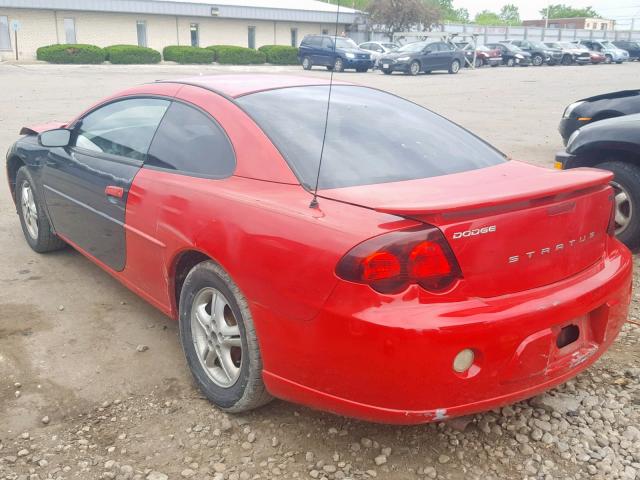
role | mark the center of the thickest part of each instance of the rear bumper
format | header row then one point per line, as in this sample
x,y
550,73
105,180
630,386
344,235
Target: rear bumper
x,y
390,360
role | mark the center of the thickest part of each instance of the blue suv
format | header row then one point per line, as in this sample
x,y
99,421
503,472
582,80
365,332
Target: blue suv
x,y
335,53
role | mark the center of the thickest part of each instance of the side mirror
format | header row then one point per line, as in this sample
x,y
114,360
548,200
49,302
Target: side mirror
x,y
60,137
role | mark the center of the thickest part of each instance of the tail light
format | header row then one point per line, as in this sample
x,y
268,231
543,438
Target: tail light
x,y
611,229
391,262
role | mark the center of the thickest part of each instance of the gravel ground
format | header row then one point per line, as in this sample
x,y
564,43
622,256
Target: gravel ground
x,y
93,383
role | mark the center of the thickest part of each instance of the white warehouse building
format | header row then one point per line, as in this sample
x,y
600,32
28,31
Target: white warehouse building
x,y
158,23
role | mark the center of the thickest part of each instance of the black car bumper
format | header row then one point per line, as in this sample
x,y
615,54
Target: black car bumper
x,y
358,63
393,65
563,160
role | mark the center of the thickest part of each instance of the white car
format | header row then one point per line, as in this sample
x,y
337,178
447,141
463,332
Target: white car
x,y
378,49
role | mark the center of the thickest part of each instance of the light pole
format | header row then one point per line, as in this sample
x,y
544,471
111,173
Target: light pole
x,y
546,17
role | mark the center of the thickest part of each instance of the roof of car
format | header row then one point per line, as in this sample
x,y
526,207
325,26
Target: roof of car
x,y
238,85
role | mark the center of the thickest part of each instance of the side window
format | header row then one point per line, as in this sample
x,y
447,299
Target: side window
x,y
190,142
366,46
124,128
327,43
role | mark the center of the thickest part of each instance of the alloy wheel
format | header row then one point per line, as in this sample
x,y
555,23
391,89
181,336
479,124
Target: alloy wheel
x,y
338,66
624,208
537,60
415,68
29,210
216,337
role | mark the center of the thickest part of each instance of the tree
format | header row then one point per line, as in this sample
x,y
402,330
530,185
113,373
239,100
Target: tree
x,y
561,10
404,15
510,15
453,15
486,17
357,4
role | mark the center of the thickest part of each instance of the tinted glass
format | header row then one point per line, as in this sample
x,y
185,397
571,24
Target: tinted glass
x,y
398,141
191,142
70,30
123,128
327,43
141,28
5,36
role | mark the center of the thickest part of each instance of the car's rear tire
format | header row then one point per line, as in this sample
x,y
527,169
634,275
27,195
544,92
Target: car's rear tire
x,y
33,217
478,62
626,183
219,340
608,59
338,65
511,62
566,60
414,68
537,60
454,67
307,63
386,71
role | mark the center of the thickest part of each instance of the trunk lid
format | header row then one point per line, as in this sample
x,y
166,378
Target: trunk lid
x,y
512,227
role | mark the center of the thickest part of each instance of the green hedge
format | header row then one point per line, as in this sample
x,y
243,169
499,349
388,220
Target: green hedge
x,y
69,53
130,54
232,55
280,54
183,54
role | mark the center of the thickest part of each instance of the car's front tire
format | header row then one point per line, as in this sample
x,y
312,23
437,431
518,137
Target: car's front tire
x,y
626,185
537,60
306,63
386,71
219,340
608,59
33,218
414,68
454,67
338,65
511,62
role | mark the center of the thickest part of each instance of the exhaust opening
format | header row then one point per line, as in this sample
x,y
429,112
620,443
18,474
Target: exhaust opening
x,y
567,335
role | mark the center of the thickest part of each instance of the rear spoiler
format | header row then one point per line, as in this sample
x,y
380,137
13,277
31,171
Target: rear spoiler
x,y
39,128
515,190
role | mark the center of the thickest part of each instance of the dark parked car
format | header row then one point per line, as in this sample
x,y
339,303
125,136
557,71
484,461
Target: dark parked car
x,y
334,53
483,54
512,55
540,53
417,57
596,108
614,145
571,53
632,47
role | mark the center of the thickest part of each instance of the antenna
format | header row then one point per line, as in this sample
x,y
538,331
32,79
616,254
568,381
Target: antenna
x,y
314,200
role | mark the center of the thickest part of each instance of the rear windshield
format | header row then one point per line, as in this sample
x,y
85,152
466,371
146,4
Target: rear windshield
x,y
372,136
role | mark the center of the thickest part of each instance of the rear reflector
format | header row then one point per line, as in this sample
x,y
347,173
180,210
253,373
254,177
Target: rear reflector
x,y
390,263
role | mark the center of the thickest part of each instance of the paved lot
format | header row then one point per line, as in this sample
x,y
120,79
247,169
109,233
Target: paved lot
x,y
68,333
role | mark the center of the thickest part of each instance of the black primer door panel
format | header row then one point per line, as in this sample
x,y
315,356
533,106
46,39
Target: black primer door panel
x,y
86,184
75,187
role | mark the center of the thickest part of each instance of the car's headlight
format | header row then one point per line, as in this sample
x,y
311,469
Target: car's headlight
x,y
517,55
573,136
571,108
349,55
403,59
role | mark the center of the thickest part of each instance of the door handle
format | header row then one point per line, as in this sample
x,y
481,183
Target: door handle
x,y
114,192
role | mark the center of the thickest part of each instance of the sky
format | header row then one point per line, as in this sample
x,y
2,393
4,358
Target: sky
x,y
620,10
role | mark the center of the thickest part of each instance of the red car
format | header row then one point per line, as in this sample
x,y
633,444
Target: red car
x,y
431,277
596,57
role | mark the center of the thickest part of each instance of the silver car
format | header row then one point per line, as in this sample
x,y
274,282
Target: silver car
x,y
378,49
